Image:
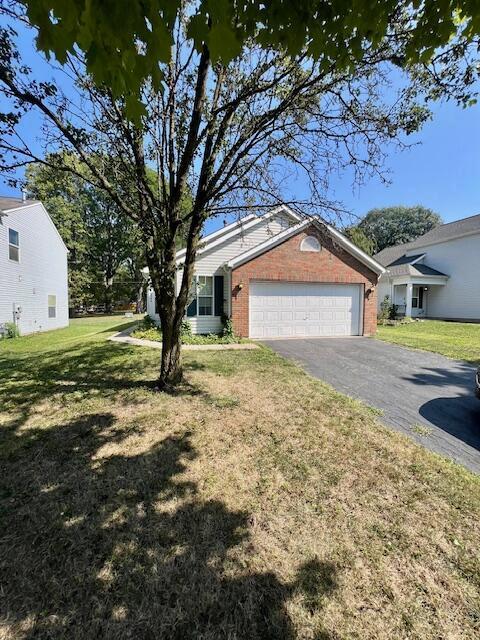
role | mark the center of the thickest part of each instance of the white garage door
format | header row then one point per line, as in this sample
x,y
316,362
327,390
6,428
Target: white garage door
x,y
288,309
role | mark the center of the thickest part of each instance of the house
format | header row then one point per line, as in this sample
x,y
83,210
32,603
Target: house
x,y
437,275
33,268
281,275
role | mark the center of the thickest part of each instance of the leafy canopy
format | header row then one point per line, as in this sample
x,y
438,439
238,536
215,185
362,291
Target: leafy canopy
x,y
125,42
389,226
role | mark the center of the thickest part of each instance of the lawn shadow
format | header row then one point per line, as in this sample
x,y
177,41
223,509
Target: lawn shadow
x,y
98,542
76,372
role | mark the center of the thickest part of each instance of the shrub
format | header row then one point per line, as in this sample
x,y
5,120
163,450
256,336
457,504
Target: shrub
x,y
388,310
11,330
227,331
149,323
186,329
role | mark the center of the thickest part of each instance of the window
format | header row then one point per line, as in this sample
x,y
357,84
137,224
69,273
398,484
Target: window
x,y
417,298
205,295
52,306
13,245
310,243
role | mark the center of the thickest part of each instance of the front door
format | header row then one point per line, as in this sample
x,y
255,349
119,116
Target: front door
x,y
418,301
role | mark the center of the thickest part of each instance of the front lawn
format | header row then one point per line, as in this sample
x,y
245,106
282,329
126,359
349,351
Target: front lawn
x,y
458,340
254,503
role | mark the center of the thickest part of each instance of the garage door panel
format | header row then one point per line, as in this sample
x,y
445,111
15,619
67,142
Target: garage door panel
x,y
283,309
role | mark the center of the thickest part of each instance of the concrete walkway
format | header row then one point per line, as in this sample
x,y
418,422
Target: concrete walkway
x,y
126,338
424,395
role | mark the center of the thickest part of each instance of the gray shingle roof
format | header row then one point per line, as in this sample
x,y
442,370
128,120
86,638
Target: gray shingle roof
x,y
449,231
414,270
395,256
386,256
11,203
406,260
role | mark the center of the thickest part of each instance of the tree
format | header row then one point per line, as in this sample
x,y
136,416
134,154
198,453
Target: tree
x,y
227,127
99,237
389,226
63,195
360,239
122,51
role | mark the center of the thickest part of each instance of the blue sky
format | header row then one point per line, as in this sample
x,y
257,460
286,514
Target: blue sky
x,y
441,172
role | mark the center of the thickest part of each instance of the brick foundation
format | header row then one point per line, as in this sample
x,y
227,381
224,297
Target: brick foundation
x,y
286,262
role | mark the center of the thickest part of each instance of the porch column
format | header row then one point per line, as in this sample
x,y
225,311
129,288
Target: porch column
x,y
408,300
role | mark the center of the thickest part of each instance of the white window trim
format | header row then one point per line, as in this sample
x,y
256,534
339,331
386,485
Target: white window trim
x,y
307,246
10,244
49,306
205,315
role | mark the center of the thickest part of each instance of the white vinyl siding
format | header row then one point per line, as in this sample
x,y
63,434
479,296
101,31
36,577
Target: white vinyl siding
x,y
40,272
211,263
293,310
52,306
13,245
460,296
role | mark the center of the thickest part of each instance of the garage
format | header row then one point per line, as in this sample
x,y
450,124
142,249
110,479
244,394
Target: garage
x,y
298,310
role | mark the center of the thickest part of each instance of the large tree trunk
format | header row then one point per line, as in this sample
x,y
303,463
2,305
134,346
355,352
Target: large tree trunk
x,y
171,370
163,277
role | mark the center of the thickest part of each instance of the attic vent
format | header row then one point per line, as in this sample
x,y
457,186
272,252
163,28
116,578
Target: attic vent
x,y
310,243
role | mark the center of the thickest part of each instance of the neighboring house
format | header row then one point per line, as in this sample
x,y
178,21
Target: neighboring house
x,y
281,275
33,268
436,275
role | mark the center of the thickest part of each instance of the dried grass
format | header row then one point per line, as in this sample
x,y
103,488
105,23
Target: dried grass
x,y
254,503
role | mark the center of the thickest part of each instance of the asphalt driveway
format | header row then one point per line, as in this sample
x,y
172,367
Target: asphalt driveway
x,y
425,395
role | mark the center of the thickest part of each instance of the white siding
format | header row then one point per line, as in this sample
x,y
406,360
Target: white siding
x,y
384,288
210,263
41,271
459,259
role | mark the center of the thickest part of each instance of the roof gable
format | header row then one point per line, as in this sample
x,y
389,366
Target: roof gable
x,y
348,246
244,226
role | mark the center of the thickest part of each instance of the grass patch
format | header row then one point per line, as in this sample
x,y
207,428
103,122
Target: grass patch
x,y
422,429
255,502
458,340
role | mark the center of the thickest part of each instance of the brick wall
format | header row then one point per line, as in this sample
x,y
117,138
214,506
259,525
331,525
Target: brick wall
x,y
286,262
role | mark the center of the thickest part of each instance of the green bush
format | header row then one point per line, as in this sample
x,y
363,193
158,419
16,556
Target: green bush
x,y
388,310
11,330
186,329
227,331
146,331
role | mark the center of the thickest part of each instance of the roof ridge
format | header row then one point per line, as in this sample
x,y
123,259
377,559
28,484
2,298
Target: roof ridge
x,y
445,224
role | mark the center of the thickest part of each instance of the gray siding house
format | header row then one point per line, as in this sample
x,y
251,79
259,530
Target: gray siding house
x,y
436,275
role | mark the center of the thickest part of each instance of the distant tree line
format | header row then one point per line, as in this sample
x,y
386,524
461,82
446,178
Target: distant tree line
x,y
389,226
106,254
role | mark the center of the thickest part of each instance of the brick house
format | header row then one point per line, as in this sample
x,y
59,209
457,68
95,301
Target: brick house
x,y
281,275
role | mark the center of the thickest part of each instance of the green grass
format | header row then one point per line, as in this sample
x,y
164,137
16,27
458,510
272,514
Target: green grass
x,y
458,340
255,502
79,329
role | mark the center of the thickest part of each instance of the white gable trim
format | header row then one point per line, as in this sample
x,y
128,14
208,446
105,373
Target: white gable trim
x,y
288,233
422,255
241,226
36,204
356,251
224,230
